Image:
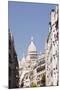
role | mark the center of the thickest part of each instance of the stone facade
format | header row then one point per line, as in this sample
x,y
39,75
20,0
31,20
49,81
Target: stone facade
x,y
13,64
52,50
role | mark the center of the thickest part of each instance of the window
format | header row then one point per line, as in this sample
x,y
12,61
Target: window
x,y
29,66
52,10
51,59
47,76
57,36
40,68
26,77
54,35
56,66
57,83
53,42
42,62
51,73
9,43
56,24
54,56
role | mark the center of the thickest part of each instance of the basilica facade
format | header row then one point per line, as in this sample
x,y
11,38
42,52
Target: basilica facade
x,y
31,67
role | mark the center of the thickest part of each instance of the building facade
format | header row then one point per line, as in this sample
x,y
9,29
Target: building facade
x,y
30,67
41,70
13,64
52,50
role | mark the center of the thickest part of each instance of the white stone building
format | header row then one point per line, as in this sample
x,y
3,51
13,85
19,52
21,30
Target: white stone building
x,y
52,50
29,65
40,69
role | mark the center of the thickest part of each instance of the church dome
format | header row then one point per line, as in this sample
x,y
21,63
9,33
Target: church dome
x,y
32,47
23,59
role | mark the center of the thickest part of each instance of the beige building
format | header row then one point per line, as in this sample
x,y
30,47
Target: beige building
x,y
52,50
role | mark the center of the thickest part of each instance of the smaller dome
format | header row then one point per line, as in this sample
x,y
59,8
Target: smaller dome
x,y
32,46
27,57
23,59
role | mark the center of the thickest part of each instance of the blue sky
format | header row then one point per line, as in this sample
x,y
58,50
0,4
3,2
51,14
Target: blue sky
x,y
26,20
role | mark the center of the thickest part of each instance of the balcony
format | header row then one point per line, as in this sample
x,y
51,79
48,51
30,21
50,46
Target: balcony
x,y
40,68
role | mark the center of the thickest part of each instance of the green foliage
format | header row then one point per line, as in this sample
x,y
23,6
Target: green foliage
x,y
43,80
34,85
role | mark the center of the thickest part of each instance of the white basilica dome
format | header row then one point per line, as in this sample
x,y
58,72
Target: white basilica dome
x,y
31,47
